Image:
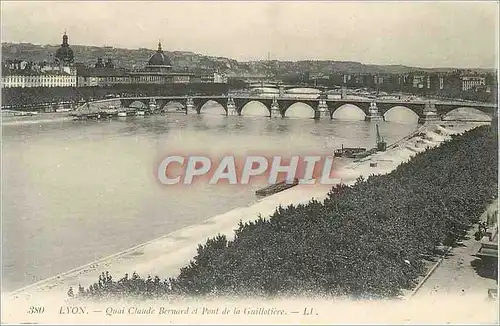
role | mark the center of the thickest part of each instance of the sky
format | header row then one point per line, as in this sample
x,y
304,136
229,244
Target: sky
x,y
421,34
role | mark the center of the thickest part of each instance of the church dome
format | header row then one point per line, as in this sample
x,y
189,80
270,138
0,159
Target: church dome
x,y
64,54
159,58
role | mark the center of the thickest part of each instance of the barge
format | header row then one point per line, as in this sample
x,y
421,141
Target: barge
x,y
349,152
358,153
278,187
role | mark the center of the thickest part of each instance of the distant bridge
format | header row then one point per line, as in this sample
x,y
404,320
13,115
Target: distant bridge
x,y
277,85
322,106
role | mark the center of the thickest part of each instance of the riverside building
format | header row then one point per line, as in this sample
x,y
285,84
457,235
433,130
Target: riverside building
x,y
472,82
102,75
158,70
60,73
51,78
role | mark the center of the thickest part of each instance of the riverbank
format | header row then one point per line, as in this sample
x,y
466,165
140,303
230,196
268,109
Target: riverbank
x,y
36,119
164,256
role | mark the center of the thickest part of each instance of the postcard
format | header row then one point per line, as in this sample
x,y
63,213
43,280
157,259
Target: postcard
x,y
249,162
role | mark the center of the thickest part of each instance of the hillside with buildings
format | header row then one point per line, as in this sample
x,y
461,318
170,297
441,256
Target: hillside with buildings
x,y
123,58
134,58
126,71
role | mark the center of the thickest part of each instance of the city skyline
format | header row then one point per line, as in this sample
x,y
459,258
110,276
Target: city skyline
x,y
435,35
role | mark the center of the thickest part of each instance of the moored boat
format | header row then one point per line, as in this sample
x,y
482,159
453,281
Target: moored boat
x,y
349,152
275,188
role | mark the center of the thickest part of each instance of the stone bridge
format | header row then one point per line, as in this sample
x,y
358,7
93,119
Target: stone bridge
x,y
322,106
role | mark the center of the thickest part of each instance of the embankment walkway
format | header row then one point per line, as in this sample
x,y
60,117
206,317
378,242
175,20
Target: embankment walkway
x,y
459,272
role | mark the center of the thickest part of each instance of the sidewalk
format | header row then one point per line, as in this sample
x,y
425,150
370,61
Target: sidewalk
x,y
460,273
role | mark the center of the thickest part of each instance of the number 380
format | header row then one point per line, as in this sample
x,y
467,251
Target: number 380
x,y
36,310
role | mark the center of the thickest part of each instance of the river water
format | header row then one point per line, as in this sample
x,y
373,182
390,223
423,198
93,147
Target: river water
x,y
77,191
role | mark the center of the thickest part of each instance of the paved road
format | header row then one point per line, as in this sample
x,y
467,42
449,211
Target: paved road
x,y
459,282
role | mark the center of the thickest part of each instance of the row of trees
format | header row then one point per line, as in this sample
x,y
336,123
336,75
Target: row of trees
x,y
366,240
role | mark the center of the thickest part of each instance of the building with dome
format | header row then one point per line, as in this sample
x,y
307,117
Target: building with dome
x,y
64,55
159,62
159,70
60,73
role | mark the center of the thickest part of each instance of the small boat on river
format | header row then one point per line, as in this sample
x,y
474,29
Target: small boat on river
x,y
349,152
360,152
278,187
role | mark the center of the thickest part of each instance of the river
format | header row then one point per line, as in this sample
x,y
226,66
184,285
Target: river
x,y
77,191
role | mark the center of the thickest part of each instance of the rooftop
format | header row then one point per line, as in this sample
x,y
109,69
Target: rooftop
x,y
178,73
159,58
8,72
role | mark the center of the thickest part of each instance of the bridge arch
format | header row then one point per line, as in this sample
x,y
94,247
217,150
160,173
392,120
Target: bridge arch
x,y
138,105
349,112
467,114
402,114
212,107
299,110
255,108
174,106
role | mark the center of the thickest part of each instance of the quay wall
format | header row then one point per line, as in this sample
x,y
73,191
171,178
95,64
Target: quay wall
x,y
32,97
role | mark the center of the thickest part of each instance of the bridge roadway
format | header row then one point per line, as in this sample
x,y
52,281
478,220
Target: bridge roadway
x,y
277,106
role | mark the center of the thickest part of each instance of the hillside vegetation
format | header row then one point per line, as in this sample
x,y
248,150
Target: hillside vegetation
x,y
364,241
130,58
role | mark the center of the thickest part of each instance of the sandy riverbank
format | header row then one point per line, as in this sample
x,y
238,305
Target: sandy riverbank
x,y
36,119
164,256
